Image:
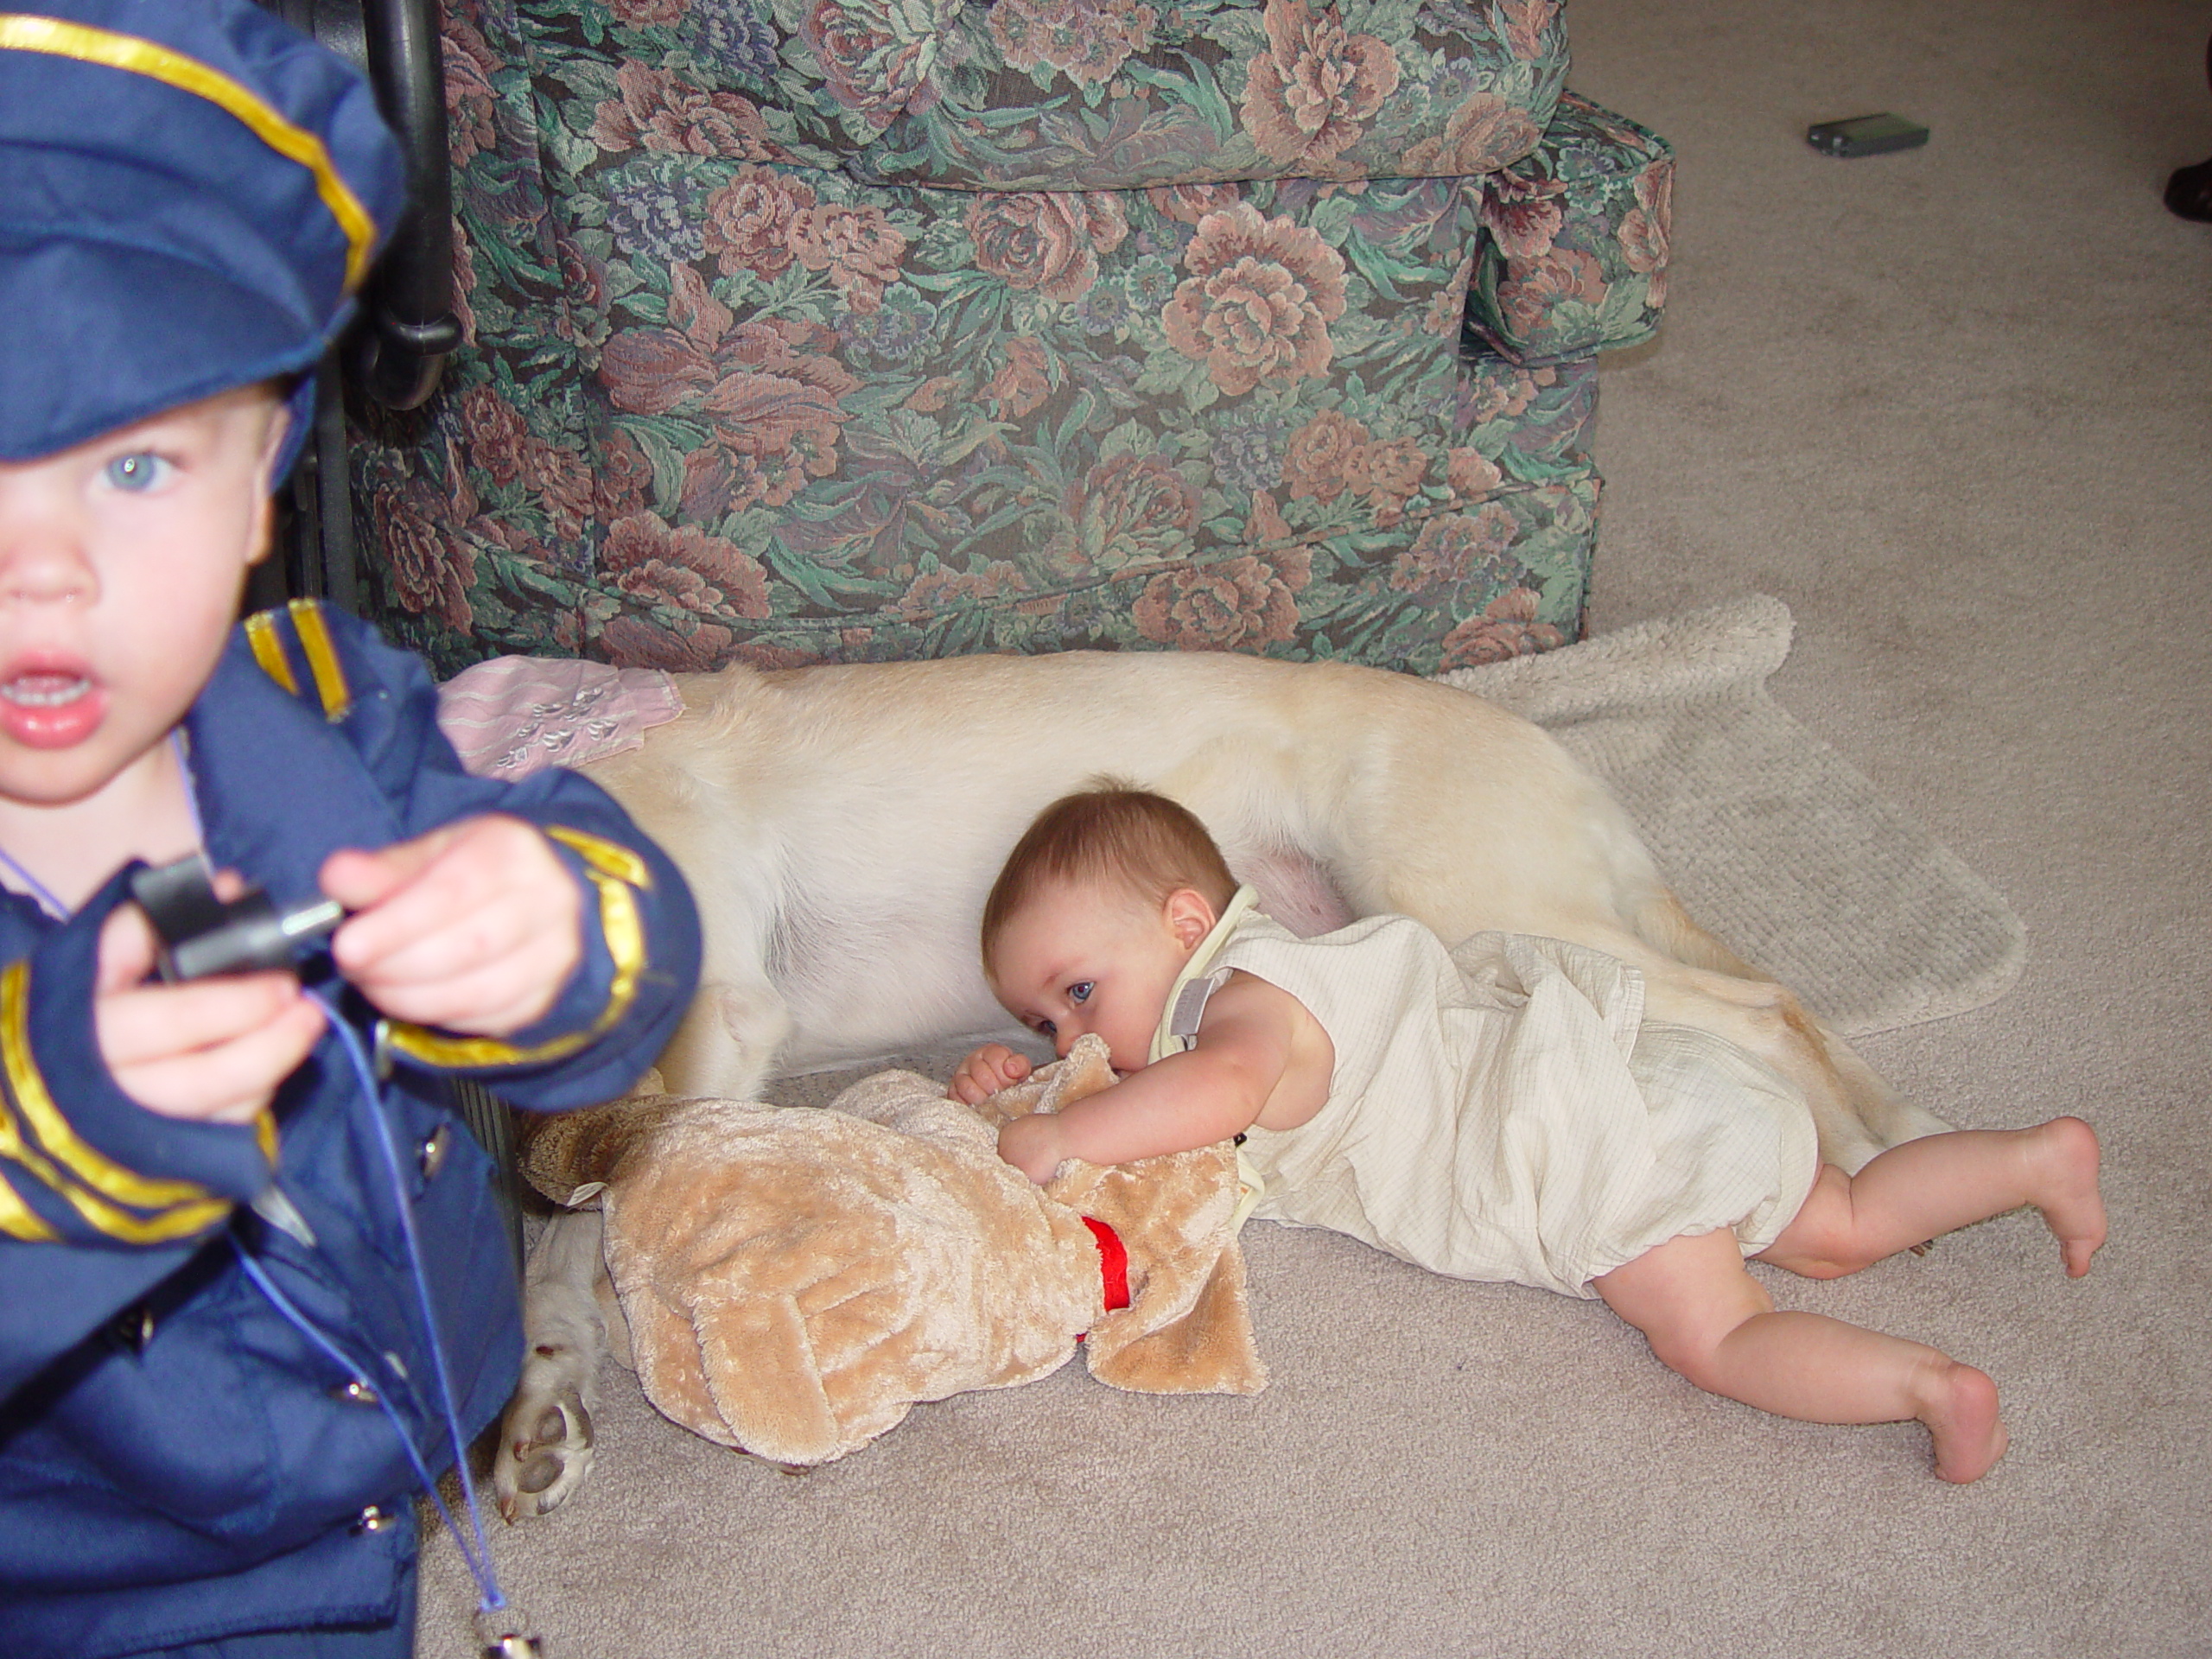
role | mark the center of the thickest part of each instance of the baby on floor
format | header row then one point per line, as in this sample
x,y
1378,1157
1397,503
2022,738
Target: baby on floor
x,y
1496,1110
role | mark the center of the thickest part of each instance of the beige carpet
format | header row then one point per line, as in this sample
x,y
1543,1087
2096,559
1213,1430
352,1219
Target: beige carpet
x,y
1951,408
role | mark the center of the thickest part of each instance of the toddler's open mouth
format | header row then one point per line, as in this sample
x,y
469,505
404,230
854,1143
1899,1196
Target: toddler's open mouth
x,y
49,707
45,690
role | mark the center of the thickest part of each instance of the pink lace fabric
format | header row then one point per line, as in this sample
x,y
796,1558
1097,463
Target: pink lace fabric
x,y
514,715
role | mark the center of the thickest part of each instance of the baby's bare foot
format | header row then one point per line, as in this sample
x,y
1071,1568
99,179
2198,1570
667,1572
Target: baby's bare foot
x,y
2066,1152
1962,1421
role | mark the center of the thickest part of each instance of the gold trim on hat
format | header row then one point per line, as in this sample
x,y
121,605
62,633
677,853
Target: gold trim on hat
x,y
21,32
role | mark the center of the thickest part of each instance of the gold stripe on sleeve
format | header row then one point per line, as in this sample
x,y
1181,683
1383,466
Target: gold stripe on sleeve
x,y
51,1130
19,1220
191,1209
180,1222
625,933
608,857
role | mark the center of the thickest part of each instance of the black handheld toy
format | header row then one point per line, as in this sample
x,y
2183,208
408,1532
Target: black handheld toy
x,y
202,934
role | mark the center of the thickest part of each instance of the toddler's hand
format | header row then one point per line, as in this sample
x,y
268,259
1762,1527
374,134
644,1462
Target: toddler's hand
x,y
474,927
1032,1145
982,1074
211,1050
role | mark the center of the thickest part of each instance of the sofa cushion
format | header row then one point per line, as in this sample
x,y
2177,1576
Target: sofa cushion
x,y
1075,94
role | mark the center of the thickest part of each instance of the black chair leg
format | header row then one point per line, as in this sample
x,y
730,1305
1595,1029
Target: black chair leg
x,y
315,524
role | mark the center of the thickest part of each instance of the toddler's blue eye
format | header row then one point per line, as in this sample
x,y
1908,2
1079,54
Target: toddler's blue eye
x,y
1080,991
137,474
1046,1028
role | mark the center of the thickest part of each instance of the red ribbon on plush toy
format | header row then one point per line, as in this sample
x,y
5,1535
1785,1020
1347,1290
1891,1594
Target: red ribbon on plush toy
x,y
1113,1264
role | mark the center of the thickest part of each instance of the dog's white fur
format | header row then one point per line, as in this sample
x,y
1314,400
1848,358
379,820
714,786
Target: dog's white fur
x,y
840,826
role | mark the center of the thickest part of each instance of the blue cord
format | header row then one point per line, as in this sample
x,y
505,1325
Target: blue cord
x,y
478,1559
488,1597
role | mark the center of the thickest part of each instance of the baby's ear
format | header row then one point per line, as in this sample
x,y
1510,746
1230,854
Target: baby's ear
x,y
1189,917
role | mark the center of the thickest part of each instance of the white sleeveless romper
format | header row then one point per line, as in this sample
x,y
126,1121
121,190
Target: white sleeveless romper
x,y
1501,1110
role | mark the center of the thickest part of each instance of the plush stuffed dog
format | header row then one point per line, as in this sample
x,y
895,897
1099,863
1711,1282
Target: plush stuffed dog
x,y
794,1279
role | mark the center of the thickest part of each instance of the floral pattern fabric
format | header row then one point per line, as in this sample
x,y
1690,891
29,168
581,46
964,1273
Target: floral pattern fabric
x,y
1099,94
1575,260
721,400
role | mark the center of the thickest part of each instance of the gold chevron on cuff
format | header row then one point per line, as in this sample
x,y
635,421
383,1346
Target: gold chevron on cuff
x,y
624,930
42,1143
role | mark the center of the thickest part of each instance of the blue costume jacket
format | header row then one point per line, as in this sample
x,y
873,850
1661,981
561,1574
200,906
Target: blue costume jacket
x,y
177,1462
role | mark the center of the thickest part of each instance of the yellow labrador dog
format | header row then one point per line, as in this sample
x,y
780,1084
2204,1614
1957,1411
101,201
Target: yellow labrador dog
x,y
841,826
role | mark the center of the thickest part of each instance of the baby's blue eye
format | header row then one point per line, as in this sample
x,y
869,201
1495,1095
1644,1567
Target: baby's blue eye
x,y
138,473
1046,1028
1080,991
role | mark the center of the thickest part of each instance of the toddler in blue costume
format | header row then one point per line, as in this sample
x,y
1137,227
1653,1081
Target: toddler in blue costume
x,y
211,1338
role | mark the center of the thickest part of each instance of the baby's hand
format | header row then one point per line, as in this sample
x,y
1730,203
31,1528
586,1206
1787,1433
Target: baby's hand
x,y
1032,1145
474,927
982,1074
212,1050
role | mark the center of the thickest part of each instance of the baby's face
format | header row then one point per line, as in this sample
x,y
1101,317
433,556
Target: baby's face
x,y
1089,958
121,563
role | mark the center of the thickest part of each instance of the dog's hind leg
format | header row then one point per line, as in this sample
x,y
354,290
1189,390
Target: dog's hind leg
x,y
546,1439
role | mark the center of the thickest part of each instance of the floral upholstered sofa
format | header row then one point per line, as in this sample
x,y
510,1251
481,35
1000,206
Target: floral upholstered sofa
x,y
840,330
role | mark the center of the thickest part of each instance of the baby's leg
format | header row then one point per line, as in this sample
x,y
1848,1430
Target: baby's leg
x,y
1914,1192
1709,1319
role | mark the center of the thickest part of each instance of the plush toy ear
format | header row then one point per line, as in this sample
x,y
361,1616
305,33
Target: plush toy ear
x,y
561,1153
1209,1349
1087,1069
1052,1085
1187,1328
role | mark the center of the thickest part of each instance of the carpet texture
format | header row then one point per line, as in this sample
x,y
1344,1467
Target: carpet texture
x,y
1950,406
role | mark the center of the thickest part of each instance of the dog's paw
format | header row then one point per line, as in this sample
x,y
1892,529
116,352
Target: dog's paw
x,y
545,1450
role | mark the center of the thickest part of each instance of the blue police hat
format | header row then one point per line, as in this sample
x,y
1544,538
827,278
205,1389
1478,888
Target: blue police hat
x,y
190,195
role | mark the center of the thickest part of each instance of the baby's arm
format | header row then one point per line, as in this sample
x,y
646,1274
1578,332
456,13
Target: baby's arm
x,y
1209,1093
